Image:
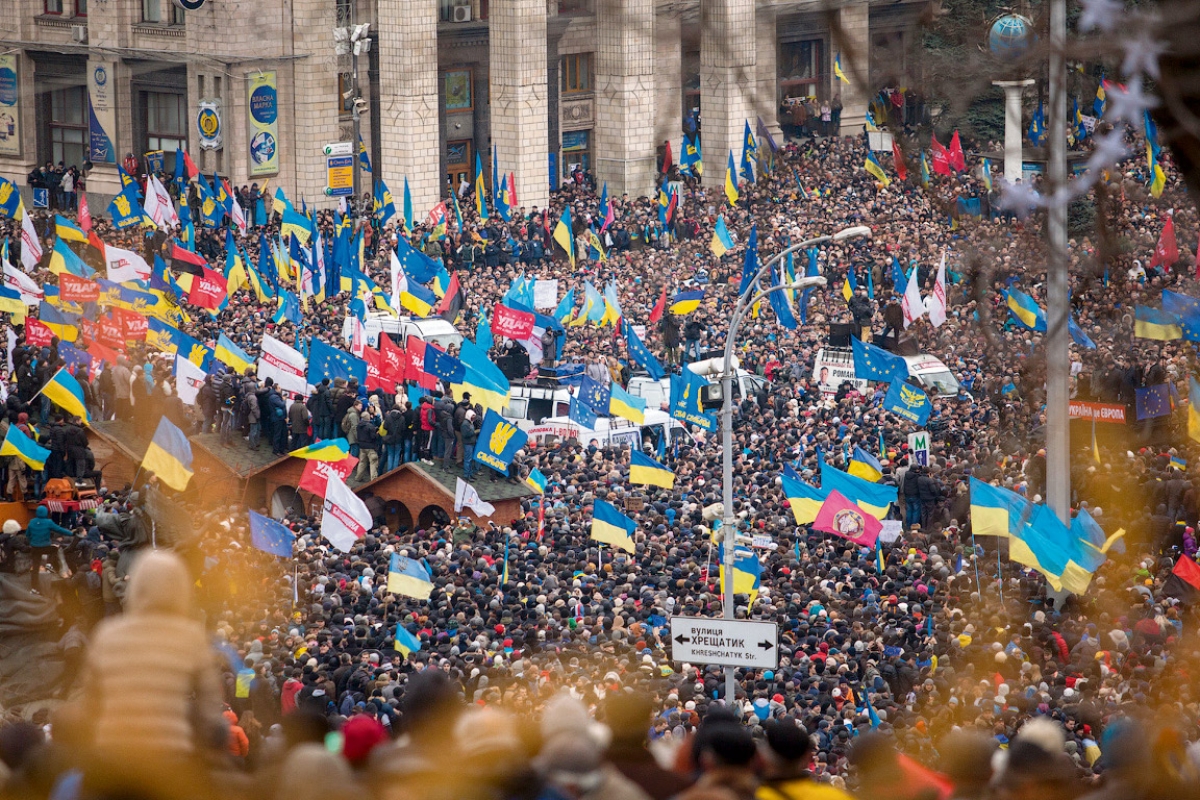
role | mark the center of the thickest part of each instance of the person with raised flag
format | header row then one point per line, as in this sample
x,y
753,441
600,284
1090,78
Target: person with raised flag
x,y
169,456
270,536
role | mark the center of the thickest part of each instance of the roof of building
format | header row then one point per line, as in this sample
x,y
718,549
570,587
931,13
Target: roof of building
x,y
490,491
237,455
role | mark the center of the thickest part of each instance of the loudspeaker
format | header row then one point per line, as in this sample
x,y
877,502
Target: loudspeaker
x,y
839,334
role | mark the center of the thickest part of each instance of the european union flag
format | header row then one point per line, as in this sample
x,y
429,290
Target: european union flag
x,y
639,353
594,395
444,366
581,415
687,400
1187,309
876,364
270,536
74,357
325,361
417,266
909,402
289,308
1153,401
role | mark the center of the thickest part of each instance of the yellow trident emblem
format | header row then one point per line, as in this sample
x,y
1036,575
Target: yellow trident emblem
x,y
5,192
122,204
501,436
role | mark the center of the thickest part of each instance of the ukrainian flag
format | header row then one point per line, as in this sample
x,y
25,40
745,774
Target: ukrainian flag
x,y
722,242
536,481
480,189
622,404
995,511
565,236
63,259
1193,409
405,642
64,325
325,450
1179,463
65,392
407,577
417,299
16,443
483,379
731,190
870,497
65,229
873,166
233,356
1025,310
804,499
611,527
747,571
647,471
864,465
169,456
1152,323
686,302
297,225
837,69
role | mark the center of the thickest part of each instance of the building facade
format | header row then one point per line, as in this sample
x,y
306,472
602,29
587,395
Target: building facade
x,y
254,89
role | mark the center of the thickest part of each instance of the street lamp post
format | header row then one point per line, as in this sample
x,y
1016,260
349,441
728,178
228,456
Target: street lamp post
x,y
744,303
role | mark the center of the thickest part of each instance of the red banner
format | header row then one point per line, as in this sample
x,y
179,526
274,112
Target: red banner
x,y
509,323
374,379
393,359
1099,412
132,323
87,330
316,473
36,333
110,332
73,289
415,369
208,290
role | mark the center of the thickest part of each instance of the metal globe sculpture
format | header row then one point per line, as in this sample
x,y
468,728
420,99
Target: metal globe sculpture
x,y
1010,36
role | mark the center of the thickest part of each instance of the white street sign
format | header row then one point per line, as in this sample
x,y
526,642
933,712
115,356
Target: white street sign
x,y
738,643
338,149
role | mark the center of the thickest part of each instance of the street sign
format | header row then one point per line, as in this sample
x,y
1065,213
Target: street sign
x,y
339,149
918,447
737,643
339,176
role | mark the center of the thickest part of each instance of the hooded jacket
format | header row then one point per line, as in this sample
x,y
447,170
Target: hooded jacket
x,y
150,676
41,527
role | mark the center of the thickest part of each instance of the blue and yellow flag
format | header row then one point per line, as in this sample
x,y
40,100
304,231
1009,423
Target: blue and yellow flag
x,y
484,380
873,166
1025,310
747,571
690,158
864,465
837,69
65,392
16,443
870,497
1153,323
232,356
749,153
324,450
624,405
536,481
63,259
685,303
480,189
65,229
611,527
731,189
169,456
64,325
565,236
406,576
405,642
722,242
385,206
645,470
804,499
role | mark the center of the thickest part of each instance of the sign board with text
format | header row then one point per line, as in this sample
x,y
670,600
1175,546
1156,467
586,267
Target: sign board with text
x,y
1097,412
918,447
339,176
735,643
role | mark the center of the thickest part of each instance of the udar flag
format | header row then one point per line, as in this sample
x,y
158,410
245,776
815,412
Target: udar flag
x,y
842,518
345,519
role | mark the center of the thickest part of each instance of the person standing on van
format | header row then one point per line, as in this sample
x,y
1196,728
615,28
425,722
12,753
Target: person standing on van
x,y
692,331
427,418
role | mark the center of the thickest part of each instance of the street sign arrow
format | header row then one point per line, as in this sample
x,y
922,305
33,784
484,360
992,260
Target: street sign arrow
x,y
738,643
682,639
765,645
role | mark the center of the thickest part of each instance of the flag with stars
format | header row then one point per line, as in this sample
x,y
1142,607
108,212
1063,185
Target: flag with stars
x,y
1153,401
327,361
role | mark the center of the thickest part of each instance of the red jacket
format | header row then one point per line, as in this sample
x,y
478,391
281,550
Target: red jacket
x,y
291,688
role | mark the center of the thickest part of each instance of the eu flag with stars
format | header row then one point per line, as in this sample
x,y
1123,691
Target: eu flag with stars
x,y
876,364
1153,401
581,415
270,536
1188,311
594,395
443,366
639,353
325,361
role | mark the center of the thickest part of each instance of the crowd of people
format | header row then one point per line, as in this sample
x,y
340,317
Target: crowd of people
x,y
543,666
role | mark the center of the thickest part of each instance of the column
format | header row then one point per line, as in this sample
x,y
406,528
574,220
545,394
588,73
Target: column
x,y
766,95
108,25
625,83
517,55
1012,126
727,78
315,84
668,82
408,74
853,40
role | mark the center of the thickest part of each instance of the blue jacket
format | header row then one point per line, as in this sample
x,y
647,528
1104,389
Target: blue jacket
x,y
41,527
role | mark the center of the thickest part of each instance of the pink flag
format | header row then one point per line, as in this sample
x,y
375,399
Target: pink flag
x,y
842,518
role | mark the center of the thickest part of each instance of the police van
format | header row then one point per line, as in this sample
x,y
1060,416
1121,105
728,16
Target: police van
x,y
835,365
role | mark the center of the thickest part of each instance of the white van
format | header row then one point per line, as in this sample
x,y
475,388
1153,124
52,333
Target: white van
x,y
659,392
834,365
612,430
432,329
529,405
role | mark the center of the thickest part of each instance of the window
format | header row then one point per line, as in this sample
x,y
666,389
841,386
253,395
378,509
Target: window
x,y
575,6
68,126
577,73
152,11
576,149
801,68
81,8
54,6
166,125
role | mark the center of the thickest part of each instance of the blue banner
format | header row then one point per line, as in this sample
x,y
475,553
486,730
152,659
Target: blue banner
x,y
329,362
687,401
907,401
499,440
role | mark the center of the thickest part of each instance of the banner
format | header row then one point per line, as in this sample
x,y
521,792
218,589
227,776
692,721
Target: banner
x,y
345,519
499,440
188,380
102,112
284,364
545,293
316,474
77,290
508,323
1097,412
133,325
125,265
37,334
264,123
10,107
908,402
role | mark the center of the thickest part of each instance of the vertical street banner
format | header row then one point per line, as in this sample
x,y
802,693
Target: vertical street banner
x,y
102,112
10,107
264,123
